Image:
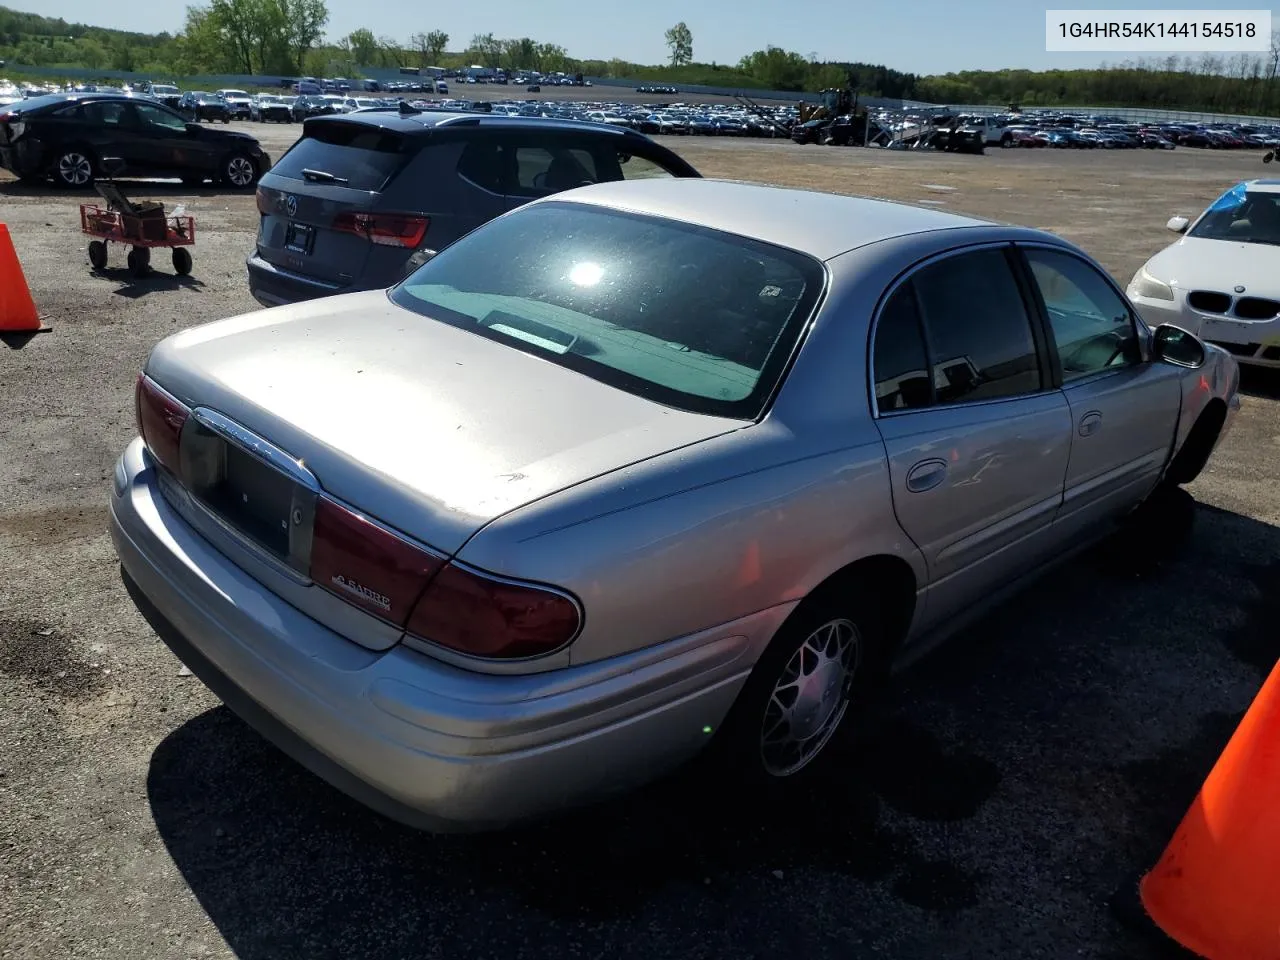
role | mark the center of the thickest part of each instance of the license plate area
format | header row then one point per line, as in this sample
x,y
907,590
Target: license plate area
x,y
300,238
247,494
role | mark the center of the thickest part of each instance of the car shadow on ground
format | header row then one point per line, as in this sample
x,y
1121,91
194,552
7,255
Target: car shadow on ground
x,y
872,847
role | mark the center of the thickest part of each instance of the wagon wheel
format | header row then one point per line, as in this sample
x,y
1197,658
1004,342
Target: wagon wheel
x,y
139,261
182,261
98,254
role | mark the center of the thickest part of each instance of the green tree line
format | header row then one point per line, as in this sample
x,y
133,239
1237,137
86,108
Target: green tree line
x,y
286,37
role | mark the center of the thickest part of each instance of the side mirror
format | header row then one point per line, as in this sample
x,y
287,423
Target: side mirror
x,y
1170,344
1178,224
1268,157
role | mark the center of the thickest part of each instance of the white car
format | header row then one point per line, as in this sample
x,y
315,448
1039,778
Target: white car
x,y
1221,280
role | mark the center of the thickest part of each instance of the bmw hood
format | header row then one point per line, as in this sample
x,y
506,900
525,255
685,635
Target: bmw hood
x,y
1198,264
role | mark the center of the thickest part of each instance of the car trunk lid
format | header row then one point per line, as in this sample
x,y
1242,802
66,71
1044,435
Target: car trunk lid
x,y
433,430
316,202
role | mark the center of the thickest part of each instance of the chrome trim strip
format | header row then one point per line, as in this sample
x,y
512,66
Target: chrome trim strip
x,y
253,444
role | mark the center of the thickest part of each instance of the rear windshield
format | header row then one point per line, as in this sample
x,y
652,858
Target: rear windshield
x,y
690,317
365,156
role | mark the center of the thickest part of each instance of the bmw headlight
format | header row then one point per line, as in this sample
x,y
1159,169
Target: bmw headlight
x,y
1144,284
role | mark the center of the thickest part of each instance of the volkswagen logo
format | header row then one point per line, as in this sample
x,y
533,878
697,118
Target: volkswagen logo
x,y
291,205
1239,288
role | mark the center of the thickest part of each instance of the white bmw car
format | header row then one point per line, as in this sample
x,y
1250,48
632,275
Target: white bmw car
x,y
1221,280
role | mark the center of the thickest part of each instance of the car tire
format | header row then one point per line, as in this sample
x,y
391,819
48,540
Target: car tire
x,y
239,171
74,168
809,687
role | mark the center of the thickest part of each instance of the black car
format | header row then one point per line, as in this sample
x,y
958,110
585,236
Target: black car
x,y
306,107
66,136
196,106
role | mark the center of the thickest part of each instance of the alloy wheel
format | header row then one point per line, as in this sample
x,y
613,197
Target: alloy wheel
x,y
240,171
810,697
74,169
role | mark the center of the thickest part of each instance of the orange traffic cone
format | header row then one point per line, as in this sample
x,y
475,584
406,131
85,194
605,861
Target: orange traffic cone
x,y
1216,890
17,309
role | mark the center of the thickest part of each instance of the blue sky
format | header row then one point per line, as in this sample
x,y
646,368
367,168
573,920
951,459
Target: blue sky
x,y
923,36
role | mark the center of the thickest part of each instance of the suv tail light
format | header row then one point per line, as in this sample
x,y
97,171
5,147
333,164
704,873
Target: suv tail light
x,y
384,229
160,419
264,202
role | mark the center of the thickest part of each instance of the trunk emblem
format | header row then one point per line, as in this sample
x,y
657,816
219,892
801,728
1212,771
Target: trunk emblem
x,y
291,205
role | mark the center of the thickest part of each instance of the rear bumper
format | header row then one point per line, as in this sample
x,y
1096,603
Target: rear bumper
x,y
418,740
272,286
23,158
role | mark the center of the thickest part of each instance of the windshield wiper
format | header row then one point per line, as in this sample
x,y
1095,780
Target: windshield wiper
x,y
322,176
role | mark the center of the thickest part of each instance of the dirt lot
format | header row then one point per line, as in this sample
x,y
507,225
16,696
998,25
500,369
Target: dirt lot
x,y
1028,772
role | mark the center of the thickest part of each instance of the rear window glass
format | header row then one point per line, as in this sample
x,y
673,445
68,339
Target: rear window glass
x,y
367,157
690,317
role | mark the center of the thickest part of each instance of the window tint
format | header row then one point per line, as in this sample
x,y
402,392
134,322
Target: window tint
x,y
641,168
365,156
542,170
899,361
481,163
978,331
1091,324
690,317
107,114
155,117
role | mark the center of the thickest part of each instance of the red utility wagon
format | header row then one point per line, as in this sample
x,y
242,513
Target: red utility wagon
x,y
142,226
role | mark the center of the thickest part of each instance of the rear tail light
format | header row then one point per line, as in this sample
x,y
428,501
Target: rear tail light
x,y
160,420
441,602
14,123
366,564
485,616
384,229
264,202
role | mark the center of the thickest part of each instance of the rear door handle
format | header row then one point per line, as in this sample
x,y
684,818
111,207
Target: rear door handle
x,y
926,475
1090,423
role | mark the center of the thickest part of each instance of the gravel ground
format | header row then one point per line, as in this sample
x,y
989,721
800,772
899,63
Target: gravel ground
x,y
1024,774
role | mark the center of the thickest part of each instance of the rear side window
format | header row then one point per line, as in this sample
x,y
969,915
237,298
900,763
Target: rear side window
x,y
366,157
542,170
900,360
481,163
977,328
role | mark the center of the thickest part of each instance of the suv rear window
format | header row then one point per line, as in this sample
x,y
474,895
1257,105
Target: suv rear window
x,y
683,315
367,157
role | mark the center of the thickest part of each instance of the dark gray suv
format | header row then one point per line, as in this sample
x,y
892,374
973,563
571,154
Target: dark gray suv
x,y
364,198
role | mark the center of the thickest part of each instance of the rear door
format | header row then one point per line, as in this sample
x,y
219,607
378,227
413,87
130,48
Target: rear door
x,y
976,435
1124,407
316,200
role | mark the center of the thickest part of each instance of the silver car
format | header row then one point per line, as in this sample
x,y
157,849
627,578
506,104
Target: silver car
x,y
635,471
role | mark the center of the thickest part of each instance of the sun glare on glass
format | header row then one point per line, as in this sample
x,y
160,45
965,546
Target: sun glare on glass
x,y
586,274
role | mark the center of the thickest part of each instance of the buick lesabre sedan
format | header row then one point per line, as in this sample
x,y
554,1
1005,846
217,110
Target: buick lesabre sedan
x,y
635,471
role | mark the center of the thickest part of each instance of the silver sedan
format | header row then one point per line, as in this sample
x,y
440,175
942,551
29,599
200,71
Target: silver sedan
x,y
635,472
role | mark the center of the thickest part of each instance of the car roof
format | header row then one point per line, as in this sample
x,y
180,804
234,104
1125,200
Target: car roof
x,y
425,120
1262,186
823,225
